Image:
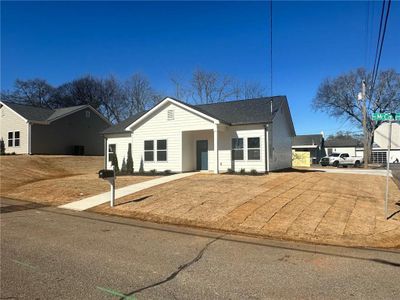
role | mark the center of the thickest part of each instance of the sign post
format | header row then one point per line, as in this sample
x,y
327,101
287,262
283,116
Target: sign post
x,y
387,168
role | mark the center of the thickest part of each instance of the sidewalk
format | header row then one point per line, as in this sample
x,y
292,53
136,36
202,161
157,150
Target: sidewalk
x,y
93,201
352,171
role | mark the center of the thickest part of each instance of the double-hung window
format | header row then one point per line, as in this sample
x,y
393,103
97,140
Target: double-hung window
x,y
253,148
10,139
237,149
16,139
111,151
161,150
148,150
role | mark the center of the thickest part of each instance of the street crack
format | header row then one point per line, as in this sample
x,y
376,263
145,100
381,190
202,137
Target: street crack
x,y
175,273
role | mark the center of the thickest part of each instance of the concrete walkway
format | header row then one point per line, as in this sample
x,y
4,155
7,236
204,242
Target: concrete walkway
x,y
353,171
105,197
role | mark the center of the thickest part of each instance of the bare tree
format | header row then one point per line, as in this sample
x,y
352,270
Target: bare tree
x,y
36,92
113,100
211,87
338,98
139,94
247,90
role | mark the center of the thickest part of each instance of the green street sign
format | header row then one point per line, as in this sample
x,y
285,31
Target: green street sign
x,y
386,116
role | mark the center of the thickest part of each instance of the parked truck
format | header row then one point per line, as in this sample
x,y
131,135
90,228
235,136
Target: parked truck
x,y
341,159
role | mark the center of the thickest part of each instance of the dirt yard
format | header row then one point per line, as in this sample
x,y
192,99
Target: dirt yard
x,y
339,209
55,180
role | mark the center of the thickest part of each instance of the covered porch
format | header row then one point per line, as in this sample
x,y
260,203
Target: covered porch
x,y
200,150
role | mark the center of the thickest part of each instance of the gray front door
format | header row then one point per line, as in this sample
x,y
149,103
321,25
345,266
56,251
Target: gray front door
x,y
202,155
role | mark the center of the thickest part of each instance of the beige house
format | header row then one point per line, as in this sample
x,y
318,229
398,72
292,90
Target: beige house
x,y
253,134
32,130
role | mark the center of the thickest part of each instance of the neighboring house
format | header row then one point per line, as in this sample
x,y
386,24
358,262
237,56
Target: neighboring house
x,y
311,143
381,142
355,147
344,144
245,134
32,130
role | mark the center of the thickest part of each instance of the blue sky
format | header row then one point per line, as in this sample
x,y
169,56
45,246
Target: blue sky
x,y
60,41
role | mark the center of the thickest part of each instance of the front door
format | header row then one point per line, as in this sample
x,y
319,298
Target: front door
x,y
202,155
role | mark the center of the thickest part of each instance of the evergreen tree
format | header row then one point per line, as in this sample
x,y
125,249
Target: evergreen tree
x,y
123,166
2,147
114,162
129,160
141,169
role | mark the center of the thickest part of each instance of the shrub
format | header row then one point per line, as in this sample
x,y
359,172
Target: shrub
x,y
253,172
129,160
242,171
230,171
153,172
123,166
2,147
141,169
167,172
114,162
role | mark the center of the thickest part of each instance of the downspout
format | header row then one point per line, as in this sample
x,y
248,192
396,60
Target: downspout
x,y
105,152
267,148
29,138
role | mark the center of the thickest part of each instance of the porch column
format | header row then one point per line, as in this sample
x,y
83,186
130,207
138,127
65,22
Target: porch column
x,y
216,156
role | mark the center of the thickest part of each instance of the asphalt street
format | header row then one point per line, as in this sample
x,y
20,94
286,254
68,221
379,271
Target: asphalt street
x,y
52,253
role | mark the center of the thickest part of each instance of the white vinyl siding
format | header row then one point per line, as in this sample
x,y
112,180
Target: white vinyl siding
x,y
157,127
281,147
10,121
225,136
121,142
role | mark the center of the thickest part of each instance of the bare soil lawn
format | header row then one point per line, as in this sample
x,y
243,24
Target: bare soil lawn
x,y
55,180
339,209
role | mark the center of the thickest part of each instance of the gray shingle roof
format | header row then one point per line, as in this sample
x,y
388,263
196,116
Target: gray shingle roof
x,y
238,112
343,141
38,114
307,139
120,127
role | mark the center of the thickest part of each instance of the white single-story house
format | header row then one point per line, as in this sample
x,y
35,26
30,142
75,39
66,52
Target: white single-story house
x,y
381,143
27,129
252,134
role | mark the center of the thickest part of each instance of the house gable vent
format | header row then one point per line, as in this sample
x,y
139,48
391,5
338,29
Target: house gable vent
x,y
171,115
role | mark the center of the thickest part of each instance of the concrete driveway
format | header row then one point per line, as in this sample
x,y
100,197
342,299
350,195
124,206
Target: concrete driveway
x,y
51,253
339,209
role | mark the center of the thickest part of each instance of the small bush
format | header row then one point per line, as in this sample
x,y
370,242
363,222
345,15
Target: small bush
x,y
230,171
153,172
167,172
242,171
253,172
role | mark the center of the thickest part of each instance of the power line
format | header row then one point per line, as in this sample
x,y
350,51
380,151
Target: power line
x,y
378,54
270,42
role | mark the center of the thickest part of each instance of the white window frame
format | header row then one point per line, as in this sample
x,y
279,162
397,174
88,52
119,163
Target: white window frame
x,y
236,149
19,138
111,152
10,139
248,148
144,149
162,150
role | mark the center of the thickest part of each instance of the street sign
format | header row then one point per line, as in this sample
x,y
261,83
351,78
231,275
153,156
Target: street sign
x,y
386,116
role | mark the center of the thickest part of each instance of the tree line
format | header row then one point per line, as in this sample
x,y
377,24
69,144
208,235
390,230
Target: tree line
x,y
119,99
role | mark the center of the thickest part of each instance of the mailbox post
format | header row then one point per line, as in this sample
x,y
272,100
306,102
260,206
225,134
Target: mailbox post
x,y
109,175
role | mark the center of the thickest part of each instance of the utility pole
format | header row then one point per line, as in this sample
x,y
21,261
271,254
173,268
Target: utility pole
x,y
364,121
